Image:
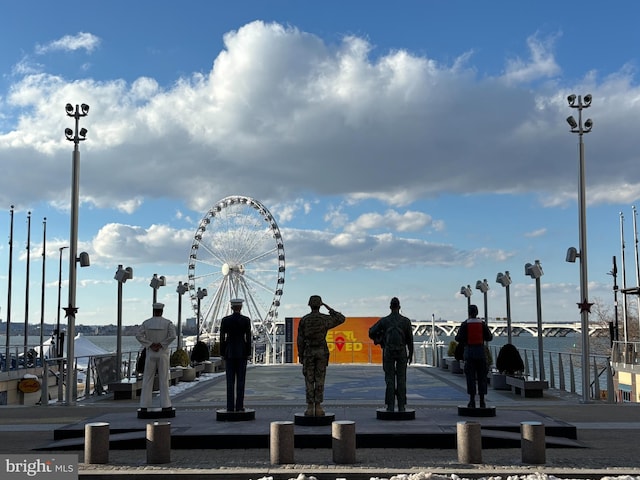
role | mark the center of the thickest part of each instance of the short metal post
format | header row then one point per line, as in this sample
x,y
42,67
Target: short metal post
x,y
96,442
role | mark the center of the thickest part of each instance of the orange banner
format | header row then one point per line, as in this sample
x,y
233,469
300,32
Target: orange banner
x,y
348,343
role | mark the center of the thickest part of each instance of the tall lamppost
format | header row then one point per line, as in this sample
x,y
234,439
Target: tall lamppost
x,y
7,356
26,294
505,280
156,283
122,275
483,286
44,390
201,293
578,127
181,289
76,136
466,291
535,271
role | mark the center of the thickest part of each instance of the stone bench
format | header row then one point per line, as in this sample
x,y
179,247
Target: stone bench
x,y
126,389
129,389
527,387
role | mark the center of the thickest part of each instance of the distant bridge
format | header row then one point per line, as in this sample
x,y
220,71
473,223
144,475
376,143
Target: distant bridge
x,y
499,328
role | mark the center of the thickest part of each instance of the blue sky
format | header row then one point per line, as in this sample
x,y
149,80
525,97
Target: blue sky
x,y
404,149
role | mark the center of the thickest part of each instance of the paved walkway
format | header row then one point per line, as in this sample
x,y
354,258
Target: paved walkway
x,y
608,434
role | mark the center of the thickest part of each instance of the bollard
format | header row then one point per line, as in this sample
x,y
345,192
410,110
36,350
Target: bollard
x,y
96,442
281,442
343,441
469,438
159,442
532,442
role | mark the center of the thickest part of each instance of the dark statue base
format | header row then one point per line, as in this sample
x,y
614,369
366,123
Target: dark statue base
x,y
157,413
224,415
383,414
464,411
312,421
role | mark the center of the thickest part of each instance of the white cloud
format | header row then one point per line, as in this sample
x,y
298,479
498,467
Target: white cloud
x,y
68,43
390,220
292,116
536,233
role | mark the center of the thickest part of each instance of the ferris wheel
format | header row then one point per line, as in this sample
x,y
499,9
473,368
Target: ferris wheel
x,y
237,252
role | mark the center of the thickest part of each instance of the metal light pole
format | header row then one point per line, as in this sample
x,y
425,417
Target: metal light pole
x,y
483,286
44,258
535,271
505,280
44,389
7,357
578,127
202,292
156,283
122,275
625,321
26,293
635,241
466,291
76,136
181,289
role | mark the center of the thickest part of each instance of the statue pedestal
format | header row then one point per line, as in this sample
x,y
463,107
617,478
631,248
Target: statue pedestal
x,y
464,411
313,421
383,414
224,415
157,413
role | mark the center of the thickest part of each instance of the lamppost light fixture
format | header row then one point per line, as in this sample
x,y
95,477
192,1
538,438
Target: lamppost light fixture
x,y
158,281
572,122
202,292
182,288
571,99
482,285
533,271
84,260
123,274
572,254
503,279
68,133
466,291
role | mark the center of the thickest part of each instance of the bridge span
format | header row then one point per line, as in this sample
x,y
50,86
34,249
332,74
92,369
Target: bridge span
x,y
499,328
